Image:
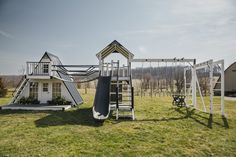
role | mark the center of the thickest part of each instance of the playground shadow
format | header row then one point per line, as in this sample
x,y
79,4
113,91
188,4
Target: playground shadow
x,y
204,119
76,117
163,119
225,121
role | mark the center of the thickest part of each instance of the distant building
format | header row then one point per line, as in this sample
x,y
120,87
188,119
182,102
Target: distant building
x,y
230,81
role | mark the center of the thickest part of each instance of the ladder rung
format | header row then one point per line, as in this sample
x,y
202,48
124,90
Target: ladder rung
x,y
124,92
121,84
120,102
127,96
125,116
128,109
124,105
112,102
121,93
125,100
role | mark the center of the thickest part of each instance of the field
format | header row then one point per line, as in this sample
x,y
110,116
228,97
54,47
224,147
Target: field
x,y
159,130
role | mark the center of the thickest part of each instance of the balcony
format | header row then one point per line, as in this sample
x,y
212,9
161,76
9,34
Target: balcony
x,y
36,70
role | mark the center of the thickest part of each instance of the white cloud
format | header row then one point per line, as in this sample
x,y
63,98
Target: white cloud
x,y
5,34
142,49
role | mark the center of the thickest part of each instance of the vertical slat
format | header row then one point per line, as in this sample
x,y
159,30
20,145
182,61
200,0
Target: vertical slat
x,y
222,87
123,70
185,82
194,100
211,87
50,69
132,94
117,97
111,68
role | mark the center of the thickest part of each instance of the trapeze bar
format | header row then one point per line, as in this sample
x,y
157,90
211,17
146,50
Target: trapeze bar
x,y
163,60
203,64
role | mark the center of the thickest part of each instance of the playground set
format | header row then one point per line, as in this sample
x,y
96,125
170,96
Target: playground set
x,y
115,91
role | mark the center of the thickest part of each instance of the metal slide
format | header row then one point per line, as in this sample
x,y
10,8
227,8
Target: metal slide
x,y
101,107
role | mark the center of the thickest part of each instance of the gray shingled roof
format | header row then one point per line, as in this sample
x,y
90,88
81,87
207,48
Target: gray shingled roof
x,y
70,86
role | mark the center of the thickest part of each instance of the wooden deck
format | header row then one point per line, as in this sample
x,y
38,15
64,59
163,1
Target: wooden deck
x,y
34,107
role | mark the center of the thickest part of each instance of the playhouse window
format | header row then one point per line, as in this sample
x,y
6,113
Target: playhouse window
x,y
56,90
45,87
33,90
45,68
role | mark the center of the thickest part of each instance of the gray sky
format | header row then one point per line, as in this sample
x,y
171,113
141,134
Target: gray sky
x,y
76,30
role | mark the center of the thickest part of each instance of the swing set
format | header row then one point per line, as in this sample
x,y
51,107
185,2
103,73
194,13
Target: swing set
x,y
186,95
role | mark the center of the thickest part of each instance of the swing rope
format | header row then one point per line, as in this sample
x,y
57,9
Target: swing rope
x,y
166,88
175,76
158,83
150,84
141,92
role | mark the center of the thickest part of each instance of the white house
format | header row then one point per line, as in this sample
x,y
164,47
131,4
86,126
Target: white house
x,y
230,81
43,81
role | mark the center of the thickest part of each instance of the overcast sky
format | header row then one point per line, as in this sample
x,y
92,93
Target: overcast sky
x,y
76,30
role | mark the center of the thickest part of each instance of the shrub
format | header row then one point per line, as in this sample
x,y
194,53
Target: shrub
x,y
22,100
3,89
59,101
29,100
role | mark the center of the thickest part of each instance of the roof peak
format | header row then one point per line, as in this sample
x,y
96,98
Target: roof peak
x,y
115,42
50,54
114,47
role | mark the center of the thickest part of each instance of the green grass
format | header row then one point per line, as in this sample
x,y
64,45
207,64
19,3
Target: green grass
x,y
159,130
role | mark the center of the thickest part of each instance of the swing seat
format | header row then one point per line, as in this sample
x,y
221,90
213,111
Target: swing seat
x,y
178,100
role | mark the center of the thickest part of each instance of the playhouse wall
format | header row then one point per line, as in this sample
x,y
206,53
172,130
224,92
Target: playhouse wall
x,y
43,97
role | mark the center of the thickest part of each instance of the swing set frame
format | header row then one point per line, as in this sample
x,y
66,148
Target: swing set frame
x,y
193,67
194,84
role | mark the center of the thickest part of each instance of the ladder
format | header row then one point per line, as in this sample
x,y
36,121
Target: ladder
x,y
125,100
114,83
124,104
19,90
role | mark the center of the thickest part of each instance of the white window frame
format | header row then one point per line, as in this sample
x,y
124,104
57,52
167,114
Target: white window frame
x,y
45,87
56,89
45,68
33,89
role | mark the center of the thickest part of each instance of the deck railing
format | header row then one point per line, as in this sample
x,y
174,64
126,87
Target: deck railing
x,y
38,69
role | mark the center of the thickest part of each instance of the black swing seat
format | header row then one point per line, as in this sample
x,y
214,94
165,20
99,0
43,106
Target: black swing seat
x,y
178,100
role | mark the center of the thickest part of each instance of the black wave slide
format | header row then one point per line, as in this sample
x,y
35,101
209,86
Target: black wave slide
x,y
101,109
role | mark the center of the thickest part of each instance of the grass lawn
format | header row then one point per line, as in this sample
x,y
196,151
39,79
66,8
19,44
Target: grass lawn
x,y
159,130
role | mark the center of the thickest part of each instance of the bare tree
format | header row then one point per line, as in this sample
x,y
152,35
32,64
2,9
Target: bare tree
x,y
3,89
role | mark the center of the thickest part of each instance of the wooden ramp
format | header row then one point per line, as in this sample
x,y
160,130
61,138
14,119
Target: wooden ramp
x,y
36,107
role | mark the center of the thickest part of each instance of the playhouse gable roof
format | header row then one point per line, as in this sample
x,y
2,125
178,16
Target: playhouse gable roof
x,y
115,47
67,80
51,57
